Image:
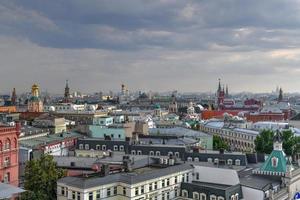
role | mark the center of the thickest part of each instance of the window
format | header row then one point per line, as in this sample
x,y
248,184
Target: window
x,y
124,191
90,196
133,152
202,196
197,176
142,189
158,153
116,148
98,195
150,187
185,193
78,195
170,153
236,196
115,190
196,159
63,191
139,152
6,178
175,180
98,147
163,183
80,146
216,161
73,195
187,177
108,192
274,161
151,153
87,147
213,197
177,154
155,185
237,162
121,148
189,159
229,162
103,147
209,160
136,191
195,195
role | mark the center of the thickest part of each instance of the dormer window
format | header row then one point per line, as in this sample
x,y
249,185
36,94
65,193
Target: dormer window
x,y
274,162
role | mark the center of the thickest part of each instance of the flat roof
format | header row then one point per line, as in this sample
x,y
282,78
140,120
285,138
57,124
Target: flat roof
x,y
50,138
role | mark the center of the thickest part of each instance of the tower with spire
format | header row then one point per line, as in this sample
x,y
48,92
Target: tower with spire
x,y
280,97
226,92
14,97
67,93
220,96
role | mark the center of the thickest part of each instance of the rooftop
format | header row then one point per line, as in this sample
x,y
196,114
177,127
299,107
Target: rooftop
x,y
130,178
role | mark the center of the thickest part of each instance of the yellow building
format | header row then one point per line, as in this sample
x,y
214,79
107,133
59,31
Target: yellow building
x,y
34,103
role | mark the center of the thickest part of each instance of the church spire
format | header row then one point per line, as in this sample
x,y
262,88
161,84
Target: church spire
x,y
67,92
280,97
226,92
219,87
14,97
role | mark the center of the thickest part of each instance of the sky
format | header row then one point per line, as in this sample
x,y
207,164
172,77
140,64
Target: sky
x,y
158,45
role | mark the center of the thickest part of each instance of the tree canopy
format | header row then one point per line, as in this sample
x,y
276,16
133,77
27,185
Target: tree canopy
x,y
219,143
264,142
41,176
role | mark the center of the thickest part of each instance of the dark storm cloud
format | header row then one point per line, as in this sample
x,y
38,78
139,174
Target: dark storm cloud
x,y
147,40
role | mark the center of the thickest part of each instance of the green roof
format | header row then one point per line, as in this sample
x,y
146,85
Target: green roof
x,y
34,98
281,165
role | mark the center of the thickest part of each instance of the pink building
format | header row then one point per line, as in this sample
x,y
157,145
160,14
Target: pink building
x,y
9,151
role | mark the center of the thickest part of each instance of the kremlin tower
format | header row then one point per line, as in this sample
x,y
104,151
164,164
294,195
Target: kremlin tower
x,y
34,103
67,98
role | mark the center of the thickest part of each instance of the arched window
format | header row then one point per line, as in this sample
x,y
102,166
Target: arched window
x,y
98,147
87,146
185,193
7,144
195,195
157,153
196,159
80,146
133,152
202,196
237,162
15,143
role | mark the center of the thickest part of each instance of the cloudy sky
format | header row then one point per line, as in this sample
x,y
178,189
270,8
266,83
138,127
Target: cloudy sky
x,y
160,45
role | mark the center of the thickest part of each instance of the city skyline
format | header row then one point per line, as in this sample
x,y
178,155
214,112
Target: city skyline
x,y
149,45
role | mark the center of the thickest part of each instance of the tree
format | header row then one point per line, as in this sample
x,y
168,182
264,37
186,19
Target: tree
x,y
41,176
264,142
289,142
219,143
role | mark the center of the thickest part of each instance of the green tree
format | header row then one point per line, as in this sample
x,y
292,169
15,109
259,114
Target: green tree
x,y
40,178
219,143
289,142
264,142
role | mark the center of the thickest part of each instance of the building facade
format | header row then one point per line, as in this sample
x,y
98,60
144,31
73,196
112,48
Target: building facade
x,y
9,149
